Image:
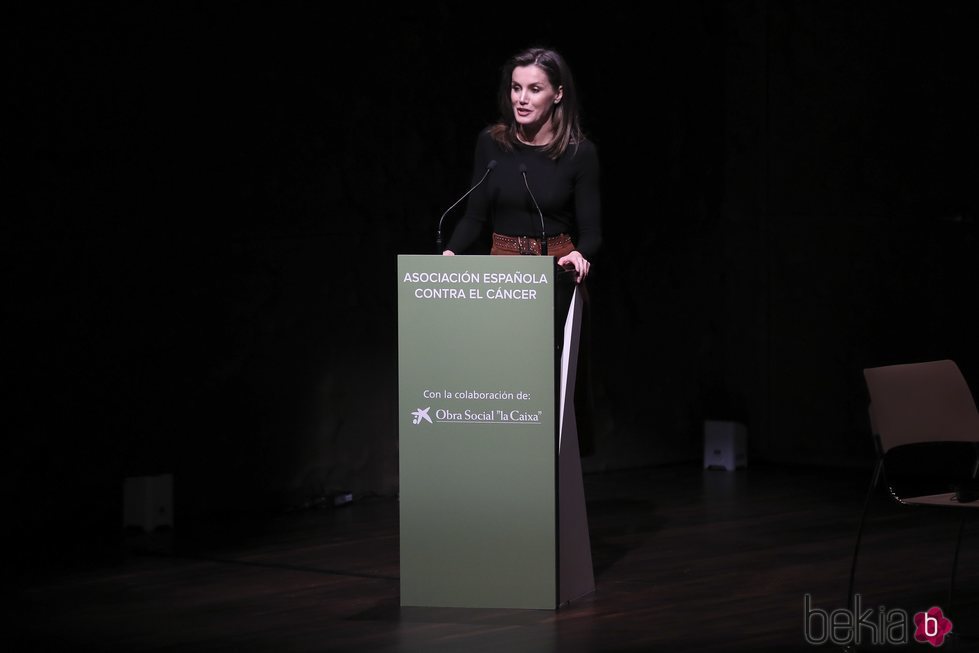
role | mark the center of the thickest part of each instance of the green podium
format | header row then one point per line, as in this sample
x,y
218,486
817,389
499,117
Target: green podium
x,y
492,505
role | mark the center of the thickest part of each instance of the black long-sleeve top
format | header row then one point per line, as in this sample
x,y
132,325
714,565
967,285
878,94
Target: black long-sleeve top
x,y
567,191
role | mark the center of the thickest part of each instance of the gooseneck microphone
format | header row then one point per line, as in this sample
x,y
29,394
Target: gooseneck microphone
x,y
543,233
438,232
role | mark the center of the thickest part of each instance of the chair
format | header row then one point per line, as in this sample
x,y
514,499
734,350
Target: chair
x,y
922,416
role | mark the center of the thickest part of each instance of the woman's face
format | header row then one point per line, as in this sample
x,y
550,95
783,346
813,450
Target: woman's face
x,y
532,96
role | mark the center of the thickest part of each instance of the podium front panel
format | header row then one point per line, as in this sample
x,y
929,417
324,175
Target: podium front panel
x,y
477,424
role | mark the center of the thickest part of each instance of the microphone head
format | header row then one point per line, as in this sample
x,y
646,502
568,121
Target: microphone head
x,y
491,164
523,168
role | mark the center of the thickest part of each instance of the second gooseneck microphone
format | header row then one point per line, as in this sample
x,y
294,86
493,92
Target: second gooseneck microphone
x,y
543,232
438,232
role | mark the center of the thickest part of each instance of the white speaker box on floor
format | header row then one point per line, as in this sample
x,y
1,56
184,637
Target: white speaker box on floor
x,y
725,445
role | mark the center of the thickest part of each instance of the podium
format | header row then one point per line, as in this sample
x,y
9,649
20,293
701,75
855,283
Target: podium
x,y
492,505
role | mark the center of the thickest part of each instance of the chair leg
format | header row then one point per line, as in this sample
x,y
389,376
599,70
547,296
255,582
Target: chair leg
x,y
955,561
958,540
863,520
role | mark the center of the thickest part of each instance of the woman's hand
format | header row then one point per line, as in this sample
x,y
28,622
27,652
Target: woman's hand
x,y
576,260
448,252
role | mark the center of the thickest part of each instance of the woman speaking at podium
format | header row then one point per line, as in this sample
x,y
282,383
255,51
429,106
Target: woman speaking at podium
x,y
535,174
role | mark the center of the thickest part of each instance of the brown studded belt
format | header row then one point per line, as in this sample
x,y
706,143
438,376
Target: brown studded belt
x,y
529,246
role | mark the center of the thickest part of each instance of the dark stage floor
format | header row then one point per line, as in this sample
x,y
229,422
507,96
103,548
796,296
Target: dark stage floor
x,y
685,560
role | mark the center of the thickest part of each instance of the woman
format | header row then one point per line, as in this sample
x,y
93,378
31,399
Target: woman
x,y
545,181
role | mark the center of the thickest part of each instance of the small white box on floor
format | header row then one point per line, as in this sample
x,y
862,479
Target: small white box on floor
x,y
725,445
148,501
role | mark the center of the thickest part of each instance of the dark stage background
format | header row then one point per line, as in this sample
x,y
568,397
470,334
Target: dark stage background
x,y
208,199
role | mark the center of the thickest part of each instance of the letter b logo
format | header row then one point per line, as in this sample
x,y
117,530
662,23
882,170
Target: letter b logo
x,y
932,626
